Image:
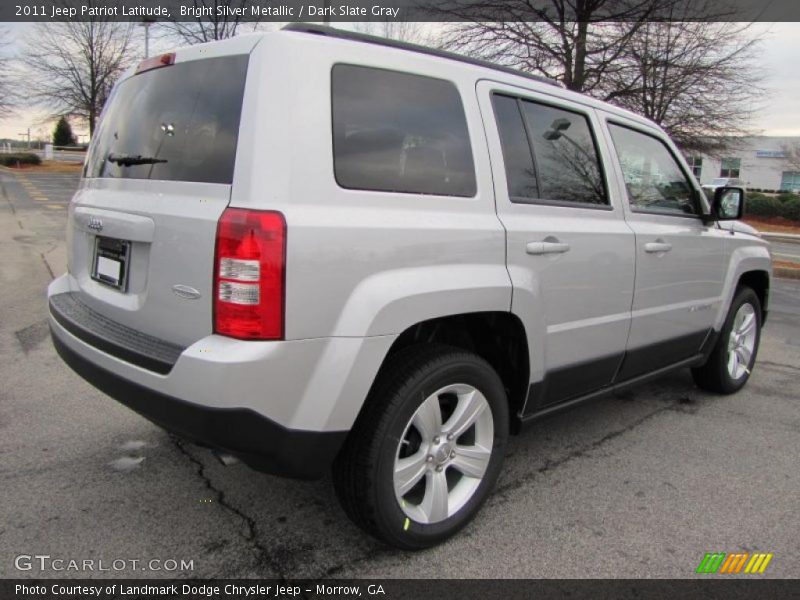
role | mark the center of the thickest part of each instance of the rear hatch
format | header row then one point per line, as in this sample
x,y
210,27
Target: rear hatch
x,y
157,178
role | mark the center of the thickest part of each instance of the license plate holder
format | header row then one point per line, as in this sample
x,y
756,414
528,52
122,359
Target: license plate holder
x,y
110,263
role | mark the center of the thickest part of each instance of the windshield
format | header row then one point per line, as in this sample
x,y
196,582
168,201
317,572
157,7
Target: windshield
x,y
176,123
722,181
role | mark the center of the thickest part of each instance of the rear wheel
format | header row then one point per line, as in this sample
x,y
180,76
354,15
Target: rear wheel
x,y
732,359
427,449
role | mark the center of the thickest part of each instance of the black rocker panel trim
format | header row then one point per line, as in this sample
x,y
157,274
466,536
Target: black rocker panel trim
x,y
649,358
575,382
561,385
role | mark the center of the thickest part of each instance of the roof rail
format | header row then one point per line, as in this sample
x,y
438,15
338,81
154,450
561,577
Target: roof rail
x,y
372,39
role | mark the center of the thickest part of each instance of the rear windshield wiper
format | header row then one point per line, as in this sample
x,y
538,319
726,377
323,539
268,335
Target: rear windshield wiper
x,y
128,161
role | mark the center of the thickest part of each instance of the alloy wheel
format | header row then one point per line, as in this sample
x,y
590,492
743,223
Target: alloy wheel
x,y
443,453
742,341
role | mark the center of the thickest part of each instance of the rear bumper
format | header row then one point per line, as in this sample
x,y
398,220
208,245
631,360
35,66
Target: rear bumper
x,y
258,441
284,407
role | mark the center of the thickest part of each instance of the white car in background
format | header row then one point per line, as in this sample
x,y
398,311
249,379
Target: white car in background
x,y
724,182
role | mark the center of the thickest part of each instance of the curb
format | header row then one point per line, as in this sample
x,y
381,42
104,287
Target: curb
x,y
786,238
786,272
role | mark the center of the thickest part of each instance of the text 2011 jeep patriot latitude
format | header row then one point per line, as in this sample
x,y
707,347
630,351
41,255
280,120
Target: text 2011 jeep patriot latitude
x,y
317,249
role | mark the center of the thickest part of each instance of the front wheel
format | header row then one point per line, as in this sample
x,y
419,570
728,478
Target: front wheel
x,y
427,449
732,359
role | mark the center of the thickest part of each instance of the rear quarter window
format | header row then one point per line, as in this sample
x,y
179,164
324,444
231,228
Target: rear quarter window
x,y
398,132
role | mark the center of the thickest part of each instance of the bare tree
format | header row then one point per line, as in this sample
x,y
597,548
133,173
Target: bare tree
x,y
792,155
681,63
6,87
577,42
697,79
404,31
71,67
207,24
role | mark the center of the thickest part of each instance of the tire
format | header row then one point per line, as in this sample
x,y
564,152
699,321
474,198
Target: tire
x,y
731,361
390,506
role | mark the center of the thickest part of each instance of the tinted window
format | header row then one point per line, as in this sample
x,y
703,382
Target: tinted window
x,y
186,115
567,161
520,172
396,132
653,178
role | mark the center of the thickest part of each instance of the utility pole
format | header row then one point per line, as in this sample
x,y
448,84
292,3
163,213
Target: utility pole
x,y
146,23
28,134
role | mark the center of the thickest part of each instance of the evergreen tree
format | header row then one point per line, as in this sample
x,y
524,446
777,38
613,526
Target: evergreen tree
x,y
62,134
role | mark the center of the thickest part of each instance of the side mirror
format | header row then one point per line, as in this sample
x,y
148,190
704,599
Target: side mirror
x,y
728,204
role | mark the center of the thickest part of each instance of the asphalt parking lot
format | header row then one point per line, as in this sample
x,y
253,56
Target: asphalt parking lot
x,y
786,251
637,485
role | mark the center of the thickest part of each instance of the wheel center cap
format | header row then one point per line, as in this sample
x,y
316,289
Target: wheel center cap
x,y
442,453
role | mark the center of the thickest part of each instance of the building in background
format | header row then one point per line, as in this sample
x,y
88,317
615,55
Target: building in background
x,y
762,162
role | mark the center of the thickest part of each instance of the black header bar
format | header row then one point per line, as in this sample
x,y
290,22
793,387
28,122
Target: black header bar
x,y
706,588
391,10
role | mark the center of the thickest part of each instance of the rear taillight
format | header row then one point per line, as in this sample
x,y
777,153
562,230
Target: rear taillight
x,y
249,267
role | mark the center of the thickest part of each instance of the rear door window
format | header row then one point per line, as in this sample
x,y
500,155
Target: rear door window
x,y
567,159
185,117
517,156
398,132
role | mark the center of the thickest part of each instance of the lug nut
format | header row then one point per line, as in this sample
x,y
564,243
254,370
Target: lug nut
x,y
429,459
436,440
453,454
449,437
439,469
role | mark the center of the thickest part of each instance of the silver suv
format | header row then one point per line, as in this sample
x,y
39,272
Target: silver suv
x,y
318,249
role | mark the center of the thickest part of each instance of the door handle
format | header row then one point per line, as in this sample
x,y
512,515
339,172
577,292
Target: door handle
x,y
657,247
546,248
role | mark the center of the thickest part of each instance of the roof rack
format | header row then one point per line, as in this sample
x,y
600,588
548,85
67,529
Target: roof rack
x,y
379,41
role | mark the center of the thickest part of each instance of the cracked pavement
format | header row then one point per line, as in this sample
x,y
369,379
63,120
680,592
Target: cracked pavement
x,y
641,484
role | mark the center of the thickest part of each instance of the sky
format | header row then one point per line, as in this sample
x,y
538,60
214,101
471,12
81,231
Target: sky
x,y
781,61
779,115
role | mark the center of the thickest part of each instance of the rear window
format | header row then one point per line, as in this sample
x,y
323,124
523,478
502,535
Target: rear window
x,y
185,117
397,132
